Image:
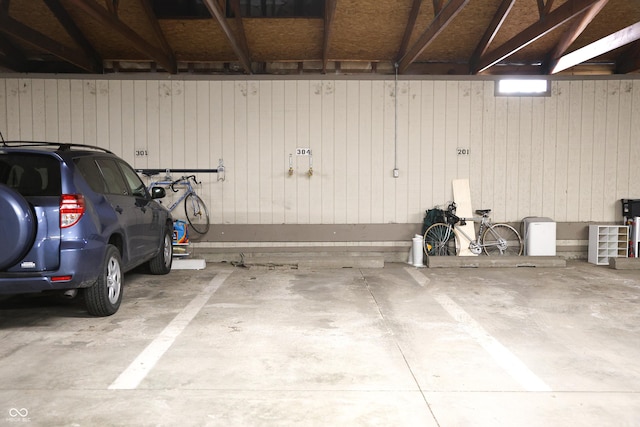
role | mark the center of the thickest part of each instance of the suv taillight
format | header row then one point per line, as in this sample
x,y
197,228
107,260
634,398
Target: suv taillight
x,y
71,209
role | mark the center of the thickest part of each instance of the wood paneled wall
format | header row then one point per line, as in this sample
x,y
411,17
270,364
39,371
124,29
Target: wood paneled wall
x,y
570,156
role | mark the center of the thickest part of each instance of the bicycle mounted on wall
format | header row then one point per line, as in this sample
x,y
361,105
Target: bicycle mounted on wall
x,y
195,210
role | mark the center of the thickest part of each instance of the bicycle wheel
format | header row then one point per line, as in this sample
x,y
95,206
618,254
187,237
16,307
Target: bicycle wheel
x,y
440,240
501,239
197,213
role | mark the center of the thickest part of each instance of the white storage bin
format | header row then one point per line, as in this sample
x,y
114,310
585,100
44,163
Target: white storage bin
x,y
539,236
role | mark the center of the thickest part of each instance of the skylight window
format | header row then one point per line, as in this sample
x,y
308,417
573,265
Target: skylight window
x,y
523,87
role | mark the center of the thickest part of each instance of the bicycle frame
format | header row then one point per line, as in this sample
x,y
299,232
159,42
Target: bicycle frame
x,y
183,182
474,246
477,244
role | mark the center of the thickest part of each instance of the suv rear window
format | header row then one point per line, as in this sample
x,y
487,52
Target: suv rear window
x,y
31,174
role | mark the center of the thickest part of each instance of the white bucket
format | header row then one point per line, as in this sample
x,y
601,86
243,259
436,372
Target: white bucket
x,y
417,251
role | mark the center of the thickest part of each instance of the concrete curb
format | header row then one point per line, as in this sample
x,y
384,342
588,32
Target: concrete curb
x,y
494,261
624,263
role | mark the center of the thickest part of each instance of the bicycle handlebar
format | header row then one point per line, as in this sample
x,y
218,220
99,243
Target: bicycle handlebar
x,y
453,219
181,179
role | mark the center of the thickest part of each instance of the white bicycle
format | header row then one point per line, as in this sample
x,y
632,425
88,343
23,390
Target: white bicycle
x,y
443,239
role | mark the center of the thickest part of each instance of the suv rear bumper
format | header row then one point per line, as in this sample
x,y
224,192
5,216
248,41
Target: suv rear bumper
x,y
82,265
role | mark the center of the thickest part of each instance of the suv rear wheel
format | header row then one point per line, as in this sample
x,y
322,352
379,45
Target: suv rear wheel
x,y
105,296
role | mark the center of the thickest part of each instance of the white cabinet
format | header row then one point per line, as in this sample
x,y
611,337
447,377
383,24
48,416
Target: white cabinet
x,y
607,241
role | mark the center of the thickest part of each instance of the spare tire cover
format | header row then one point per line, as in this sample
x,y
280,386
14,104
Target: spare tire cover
x,y
17,226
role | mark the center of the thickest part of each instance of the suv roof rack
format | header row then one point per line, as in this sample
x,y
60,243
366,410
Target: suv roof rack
x,y
62,146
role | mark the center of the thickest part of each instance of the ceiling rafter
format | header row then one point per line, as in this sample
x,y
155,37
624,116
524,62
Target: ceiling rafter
x,y
629,61
329,14
438,24
437,68
491,31
541,8
112,6
18,30
606,44
151,16
437,7
544,8
554,19
411,24
74,32
243,56
13,57
572,34
242,38
103,16
547,7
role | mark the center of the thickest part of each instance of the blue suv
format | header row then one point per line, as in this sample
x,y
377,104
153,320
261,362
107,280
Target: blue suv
x,y
75,217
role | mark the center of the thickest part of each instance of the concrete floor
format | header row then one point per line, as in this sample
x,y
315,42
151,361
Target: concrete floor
x,y
392,346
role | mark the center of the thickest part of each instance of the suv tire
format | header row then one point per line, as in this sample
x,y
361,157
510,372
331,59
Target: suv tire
x,y
161,263
18,226
105,296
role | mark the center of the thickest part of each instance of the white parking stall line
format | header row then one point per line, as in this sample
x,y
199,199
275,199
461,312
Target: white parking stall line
x,y
417,276
135,373
507,360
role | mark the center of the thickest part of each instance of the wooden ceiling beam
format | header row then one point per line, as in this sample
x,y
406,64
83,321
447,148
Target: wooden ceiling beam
x,y
491,31
544,8
439,23
541,8
411,24
112,6
437,7
606,44
235,4
18,30
74,32
572,34
153,19
629,62
243,56
329,14
554,19
13,57
437,68
104,17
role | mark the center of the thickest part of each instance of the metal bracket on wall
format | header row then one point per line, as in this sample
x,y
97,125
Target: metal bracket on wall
x,y
219,170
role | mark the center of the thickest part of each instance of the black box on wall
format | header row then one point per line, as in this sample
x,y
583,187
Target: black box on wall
x,y
630,209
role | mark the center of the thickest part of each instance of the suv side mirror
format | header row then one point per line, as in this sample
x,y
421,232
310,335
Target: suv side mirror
x,y
158,193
